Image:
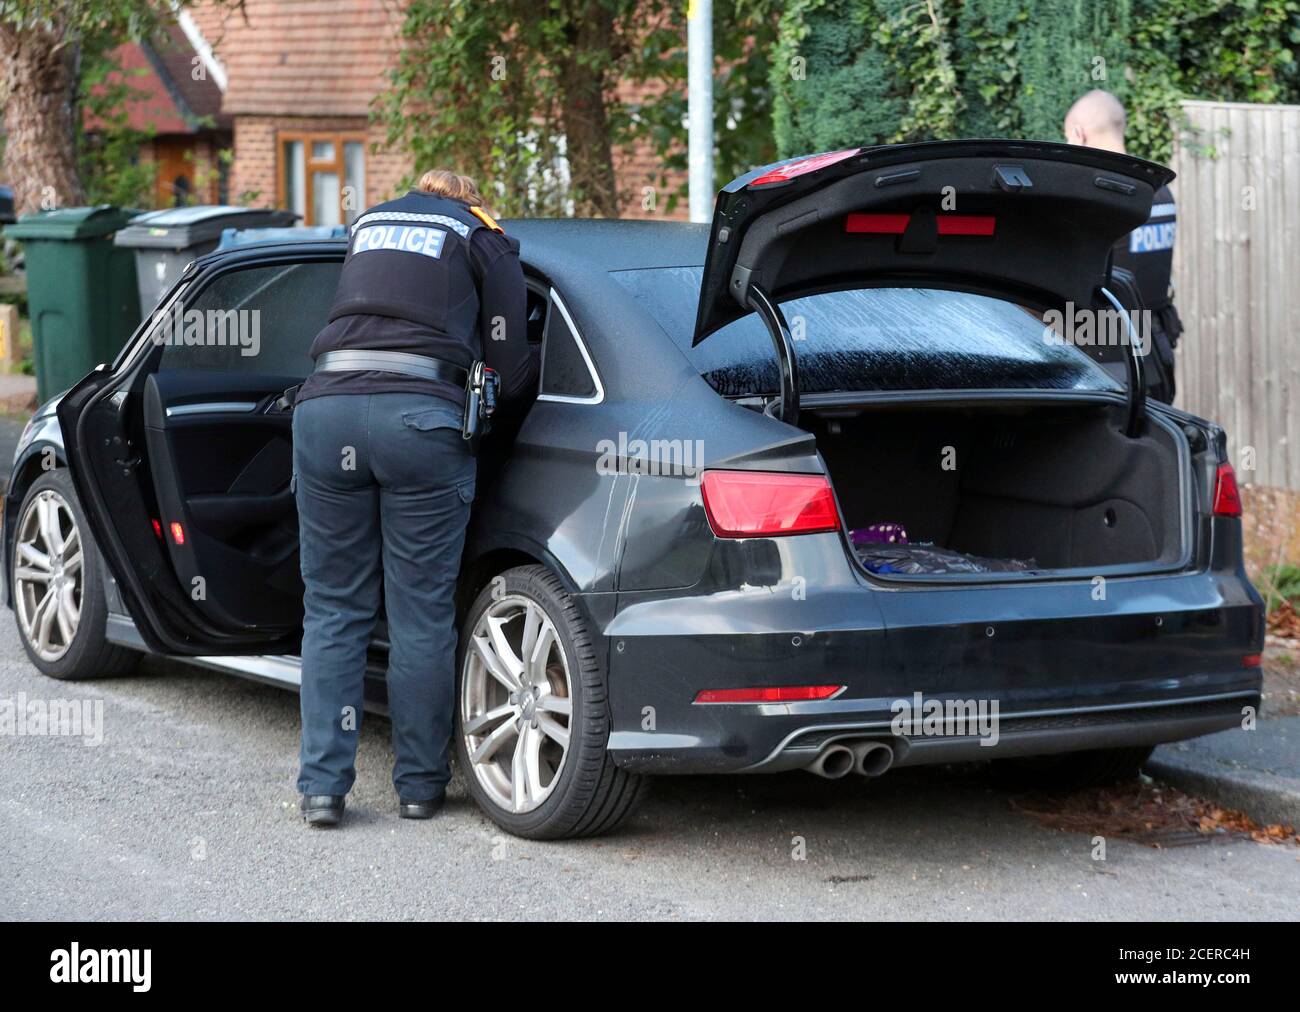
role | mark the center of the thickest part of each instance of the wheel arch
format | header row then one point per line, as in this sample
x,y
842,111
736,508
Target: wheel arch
x,y
26,470
493,557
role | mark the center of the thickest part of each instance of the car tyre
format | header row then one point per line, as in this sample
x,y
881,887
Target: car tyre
x,y
73,645
532,722
1072,771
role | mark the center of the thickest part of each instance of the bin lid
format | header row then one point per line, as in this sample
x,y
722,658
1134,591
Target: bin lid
x,y
68,223
233,237
178,228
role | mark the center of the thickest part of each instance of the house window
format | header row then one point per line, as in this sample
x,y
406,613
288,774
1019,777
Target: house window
x,y
323,177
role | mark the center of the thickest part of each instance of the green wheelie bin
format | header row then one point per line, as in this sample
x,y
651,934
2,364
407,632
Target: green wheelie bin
x,y
81,291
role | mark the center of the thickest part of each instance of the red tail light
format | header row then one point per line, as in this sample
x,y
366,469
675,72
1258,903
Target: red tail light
x,y
750,504
178,532
896,224
157,527
966,224
772,694
1252,660
877,224
1227,500
796,167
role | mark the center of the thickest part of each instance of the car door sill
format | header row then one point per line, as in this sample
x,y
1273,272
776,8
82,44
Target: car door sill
x,y
284,671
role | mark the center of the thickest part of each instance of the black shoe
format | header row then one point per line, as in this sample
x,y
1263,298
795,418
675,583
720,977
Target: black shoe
x,y
322,809
419,809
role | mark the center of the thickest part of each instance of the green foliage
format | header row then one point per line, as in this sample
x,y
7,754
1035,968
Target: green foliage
x,y
77,37
1282,583
990,61
824,63
78,19
1222,50
466,95
971,68
744,34
492,90
109,158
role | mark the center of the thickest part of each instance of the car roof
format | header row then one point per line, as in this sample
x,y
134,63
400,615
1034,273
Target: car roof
x,y
611,244
608,244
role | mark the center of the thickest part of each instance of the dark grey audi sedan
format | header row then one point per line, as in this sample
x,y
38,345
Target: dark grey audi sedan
x,y
817,487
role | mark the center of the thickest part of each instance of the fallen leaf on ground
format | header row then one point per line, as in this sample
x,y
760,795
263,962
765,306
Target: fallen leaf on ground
x,y
1152,814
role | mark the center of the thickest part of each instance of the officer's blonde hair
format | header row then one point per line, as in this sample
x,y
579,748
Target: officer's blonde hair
x,y
451,184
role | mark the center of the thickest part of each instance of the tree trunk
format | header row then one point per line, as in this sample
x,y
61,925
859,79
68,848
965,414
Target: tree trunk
x,y
38,78
583,114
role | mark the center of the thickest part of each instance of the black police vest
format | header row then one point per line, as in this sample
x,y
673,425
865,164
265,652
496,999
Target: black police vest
x,y
409,258
1148,251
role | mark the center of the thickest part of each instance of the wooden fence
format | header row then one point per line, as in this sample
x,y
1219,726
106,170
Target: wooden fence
x,y
1237,272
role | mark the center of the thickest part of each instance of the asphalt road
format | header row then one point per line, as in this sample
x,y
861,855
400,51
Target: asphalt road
x,y
187,810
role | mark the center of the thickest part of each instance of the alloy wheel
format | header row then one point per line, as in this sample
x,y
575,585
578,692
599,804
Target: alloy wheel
x,y
516,703
48,575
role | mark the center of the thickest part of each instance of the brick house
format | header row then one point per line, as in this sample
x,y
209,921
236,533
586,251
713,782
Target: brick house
x,y
175,98
298,77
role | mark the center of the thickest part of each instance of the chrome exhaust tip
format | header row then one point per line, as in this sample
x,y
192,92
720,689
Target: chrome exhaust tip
x,y
872,758
834,762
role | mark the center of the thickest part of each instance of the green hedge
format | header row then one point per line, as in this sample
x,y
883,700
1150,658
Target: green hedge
x,y
848,72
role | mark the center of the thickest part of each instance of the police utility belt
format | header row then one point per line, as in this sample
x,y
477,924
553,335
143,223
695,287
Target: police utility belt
x,y
479,382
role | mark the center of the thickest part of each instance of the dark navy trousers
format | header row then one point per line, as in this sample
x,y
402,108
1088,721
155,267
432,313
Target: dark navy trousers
x,y
384,484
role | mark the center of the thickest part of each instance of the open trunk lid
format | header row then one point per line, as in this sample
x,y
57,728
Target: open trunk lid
x,y
1033,222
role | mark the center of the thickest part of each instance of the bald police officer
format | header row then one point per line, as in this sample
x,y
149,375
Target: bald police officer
x,y
1098,120
430,303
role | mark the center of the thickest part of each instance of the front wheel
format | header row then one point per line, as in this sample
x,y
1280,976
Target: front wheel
x,y
58,586
532,724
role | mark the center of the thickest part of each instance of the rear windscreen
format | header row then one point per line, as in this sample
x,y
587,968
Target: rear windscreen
x,y
871,339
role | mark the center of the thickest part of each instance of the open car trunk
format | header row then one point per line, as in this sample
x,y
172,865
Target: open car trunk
x,y
1003,491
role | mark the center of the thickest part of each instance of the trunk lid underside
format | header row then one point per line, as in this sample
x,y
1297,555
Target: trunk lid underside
x,y
1030,221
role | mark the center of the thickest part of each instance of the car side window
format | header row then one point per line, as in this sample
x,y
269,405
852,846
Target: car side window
x,y
253,320
564,369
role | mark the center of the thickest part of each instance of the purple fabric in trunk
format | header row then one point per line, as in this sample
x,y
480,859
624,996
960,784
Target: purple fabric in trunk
x,y
879,534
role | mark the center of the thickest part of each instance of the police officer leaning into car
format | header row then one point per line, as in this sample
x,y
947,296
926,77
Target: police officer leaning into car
x,y
431,291
1098,120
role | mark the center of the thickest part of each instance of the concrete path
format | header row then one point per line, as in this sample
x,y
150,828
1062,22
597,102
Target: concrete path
x,y
1256,771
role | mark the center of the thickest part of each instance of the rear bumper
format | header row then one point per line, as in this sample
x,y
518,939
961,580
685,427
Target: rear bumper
x,y
1158,659
1024,734
770,742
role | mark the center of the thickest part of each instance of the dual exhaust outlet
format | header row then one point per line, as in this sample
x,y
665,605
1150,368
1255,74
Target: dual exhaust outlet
x,y
866,758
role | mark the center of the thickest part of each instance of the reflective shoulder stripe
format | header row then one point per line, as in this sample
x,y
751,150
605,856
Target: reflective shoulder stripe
x,y
1161,210
487,219
459,227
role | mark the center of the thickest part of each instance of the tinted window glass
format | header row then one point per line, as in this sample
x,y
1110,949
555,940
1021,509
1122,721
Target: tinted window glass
x,y
564,370
871,339
257,320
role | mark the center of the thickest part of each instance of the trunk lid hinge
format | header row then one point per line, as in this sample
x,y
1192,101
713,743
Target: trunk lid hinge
x,y
783,341
1137,384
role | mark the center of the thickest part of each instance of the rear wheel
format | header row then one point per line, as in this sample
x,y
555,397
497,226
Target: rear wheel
x,y
1074,770
532,723
60,602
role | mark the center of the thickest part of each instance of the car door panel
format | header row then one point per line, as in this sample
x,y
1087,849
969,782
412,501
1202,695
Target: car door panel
x,y
223,474
183,459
